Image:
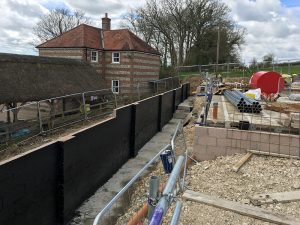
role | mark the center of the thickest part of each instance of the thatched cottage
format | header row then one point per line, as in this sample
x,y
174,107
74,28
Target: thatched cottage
x,y
31,78
119,56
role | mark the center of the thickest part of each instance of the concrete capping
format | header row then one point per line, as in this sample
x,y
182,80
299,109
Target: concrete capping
x,y
66,138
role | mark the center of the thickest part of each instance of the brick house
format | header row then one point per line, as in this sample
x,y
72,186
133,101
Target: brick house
x,y
119,56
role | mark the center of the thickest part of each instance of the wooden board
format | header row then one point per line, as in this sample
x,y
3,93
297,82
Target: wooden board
x,y
246,210
282,197
273,154
240,163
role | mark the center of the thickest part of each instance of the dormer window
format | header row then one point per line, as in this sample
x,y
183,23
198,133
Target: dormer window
x,y
94,56
116,57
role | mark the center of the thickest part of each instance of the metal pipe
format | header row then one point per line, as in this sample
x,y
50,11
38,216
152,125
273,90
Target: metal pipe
x,y
176,215
175,135
153,195
125,188
164,202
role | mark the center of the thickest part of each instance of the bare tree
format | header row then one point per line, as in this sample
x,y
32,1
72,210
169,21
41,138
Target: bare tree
x,y
57,22
184,30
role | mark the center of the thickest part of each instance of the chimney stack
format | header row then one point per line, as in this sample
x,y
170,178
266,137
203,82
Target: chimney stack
x,y
106,22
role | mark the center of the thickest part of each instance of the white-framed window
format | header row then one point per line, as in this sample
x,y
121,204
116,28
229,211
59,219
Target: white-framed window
x,y
115,86
94,56
116,57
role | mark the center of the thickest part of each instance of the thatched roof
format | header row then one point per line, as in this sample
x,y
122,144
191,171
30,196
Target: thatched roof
x,y
26,78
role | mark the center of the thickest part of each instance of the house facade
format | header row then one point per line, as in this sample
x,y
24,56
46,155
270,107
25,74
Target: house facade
x,y
119,56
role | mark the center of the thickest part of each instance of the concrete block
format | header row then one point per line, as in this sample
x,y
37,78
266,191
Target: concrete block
x,y
237,134
284,140
217,132
274,148
245,144
235,143
295,141
201,131
265,147
216,151
254,145
284,149
199,148
295,151
265,137
210,141
255,136
232,151
274,138
245,135
229,133
223,142
196,140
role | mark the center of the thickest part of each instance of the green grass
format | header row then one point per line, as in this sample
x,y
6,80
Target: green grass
x,y
294,69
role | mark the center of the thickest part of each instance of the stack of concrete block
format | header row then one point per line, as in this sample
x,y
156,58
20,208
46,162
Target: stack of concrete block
x,y
211,142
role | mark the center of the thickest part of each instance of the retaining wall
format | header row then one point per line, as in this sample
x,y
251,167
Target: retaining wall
x,y
211,142
46,185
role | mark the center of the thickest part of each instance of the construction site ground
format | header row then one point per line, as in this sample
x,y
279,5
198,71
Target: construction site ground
x,y
261,174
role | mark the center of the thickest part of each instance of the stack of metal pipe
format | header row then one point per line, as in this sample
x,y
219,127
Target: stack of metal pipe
x,y
243,103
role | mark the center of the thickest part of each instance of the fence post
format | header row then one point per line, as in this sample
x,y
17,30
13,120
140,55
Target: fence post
x,y
40,117
84,106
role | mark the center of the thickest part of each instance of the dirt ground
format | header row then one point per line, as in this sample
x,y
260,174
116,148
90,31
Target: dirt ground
x,y
261,174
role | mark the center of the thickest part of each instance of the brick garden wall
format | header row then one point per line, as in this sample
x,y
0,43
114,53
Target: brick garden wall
x,y
211,142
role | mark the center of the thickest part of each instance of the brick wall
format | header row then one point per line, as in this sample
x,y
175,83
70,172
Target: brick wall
x,y
211,142
134,67
70,53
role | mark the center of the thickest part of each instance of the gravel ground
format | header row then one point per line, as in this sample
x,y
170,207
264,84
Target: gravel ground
x,y
261,174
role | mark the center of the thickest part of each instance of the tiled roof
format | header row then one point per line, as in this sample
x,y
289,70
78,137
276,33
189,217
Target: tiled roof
x,y
85,36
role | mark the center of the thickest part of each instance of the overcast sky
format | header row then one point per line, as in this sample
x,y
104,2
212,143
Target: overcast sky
x,y
272,25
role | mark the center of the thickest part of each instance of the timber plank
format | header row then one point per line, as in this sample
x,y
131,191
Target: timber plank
x,y
242,209
241,162
282,197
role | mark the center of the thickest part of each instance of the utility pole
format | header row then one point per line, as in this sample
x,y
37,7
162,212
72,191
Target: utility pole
x,y
218,50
